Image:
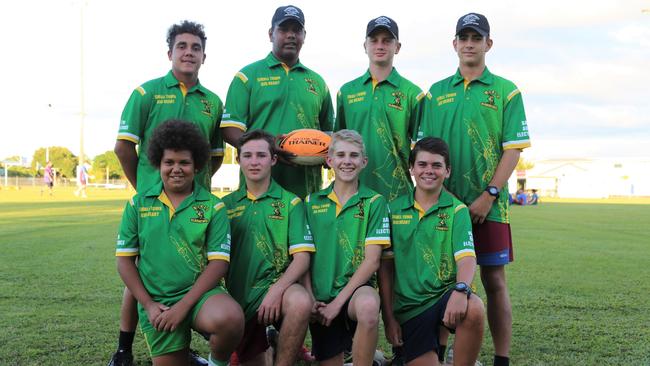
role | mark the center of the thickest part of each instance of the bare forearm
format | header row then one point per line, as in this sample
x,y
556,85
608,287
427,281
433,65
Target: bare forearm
x,y
129,273
506,166
466,269
209,279
296,270
128,157
231,135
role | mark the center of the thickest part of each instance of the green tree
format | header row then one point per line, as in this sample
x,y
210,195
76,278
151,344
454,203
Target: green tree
x,y
102,161
63,160
523,164
16,170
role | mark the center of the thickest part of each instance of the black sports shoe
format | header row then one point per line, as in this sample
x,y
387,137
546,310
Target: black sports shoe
x,y
121,358
196,360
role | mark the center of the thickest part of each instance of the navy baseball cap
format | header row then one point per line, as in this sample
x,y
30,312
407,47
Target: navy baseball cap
x,y
477,22
383,22
289,12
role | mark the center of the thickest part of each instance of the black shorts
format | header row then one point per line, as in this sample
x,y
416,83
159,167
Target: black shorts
x,y
328,342
421,333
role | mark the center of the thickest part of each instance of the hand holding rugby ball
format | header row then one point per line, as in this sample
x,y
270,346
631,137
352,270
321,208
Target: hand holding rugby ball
x,y
308,146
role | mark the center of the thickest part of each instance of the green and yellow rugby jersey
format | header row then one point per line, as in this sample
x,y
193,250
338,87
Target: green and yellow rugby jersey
x,y
479,120
158,100
266,230
341,234
174,245
385,114
426,246
278,99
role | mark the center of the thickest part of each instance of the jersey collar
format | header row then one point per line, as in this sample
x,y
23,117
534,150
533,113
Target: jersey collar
x,y
393,78
486,78
445,200
362,193
272,62
171,81
274,191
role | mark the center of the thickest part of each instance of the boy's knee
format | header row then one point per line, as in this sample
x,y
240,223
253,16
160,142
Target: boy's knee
x,y
297,302
475,312
367,311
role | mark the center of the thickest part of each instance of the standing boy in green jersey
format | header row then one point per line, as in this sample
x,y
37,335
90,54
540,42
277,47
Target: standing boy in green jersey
x,y
382,106
350,227
481,116
278,95
180,234
179,94
425,284
270,252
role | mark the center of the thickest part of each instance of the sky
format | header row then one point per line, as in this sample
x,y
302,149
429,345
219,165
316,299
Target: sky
x,y
582,66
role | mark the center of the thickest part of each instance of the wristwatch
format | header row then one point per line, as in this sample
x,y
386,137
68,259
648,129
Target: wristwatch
x,y
463,287
492,191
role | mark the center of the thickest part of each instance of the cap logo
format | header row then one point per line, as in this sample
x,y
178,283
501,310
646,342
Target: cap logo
x,y
470,19
382,21
291,12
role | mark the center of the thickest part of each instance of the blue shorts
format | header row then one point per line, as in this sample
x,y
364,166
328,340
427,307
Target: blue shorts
x,y
422,332
492,243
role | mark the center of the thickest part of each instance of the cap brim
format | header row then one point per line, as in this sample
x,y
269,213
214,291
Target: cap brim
x,y
479,30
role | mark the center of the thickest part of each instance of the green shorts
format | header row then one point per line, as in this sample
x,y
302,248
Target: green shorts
x,y
161,343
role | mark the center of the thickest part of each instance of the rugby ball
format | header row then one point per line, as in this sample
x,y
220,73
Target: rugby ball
x,y
308,145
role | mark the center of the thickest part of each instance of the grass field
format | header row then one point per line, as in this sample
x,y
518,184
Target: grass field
x,y
579,286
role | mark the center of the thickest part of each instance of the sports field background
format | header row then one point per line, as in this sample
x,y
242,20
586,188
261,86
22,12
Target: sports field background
x,y
580,284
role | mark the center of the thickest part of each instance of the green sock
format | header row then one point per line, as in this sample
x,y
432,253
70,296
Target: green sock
x,y
214,362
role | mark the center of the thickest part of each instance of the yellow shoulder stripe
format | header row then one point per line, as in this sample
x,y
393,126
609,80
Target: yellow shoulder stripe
x,y
141,90
219,206
295,201
513,93
374,198
459,207
242,77
420,96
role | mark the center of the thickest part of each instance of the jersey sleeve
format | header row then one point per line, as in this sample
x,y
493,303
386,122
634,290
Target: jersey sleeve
x,y
326,115
300,238
216,139
462,239
128,244
378,229
414,115
339,123
218,233
425,118
515,127
134,116
237,111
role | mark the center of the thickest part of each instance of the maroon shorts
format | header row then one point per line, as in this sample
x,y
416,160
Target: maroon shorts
x,y
253,342
492,243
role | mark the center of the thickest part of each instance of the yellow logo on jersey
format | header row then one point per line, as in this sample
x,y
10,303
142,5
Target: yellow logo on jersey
x,y
200,214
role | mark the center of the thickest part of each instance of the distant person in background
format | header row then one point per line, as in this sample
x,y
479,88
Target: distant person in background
x,y
48,178
521,198
82,180
534,198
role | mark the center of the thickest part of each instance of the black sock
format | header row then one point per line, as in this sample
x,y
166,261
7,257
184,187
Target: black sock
x,y
501,361
441,353
126,341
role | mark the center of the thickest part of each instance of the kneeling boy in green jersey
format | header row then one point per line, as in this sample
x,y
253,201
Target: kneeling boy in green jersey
x,y
270,253
424,285
350,228
180,234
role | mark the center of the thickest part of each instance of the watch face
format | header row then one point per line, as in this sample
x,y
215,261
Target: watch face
x,y
493,191
461,287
